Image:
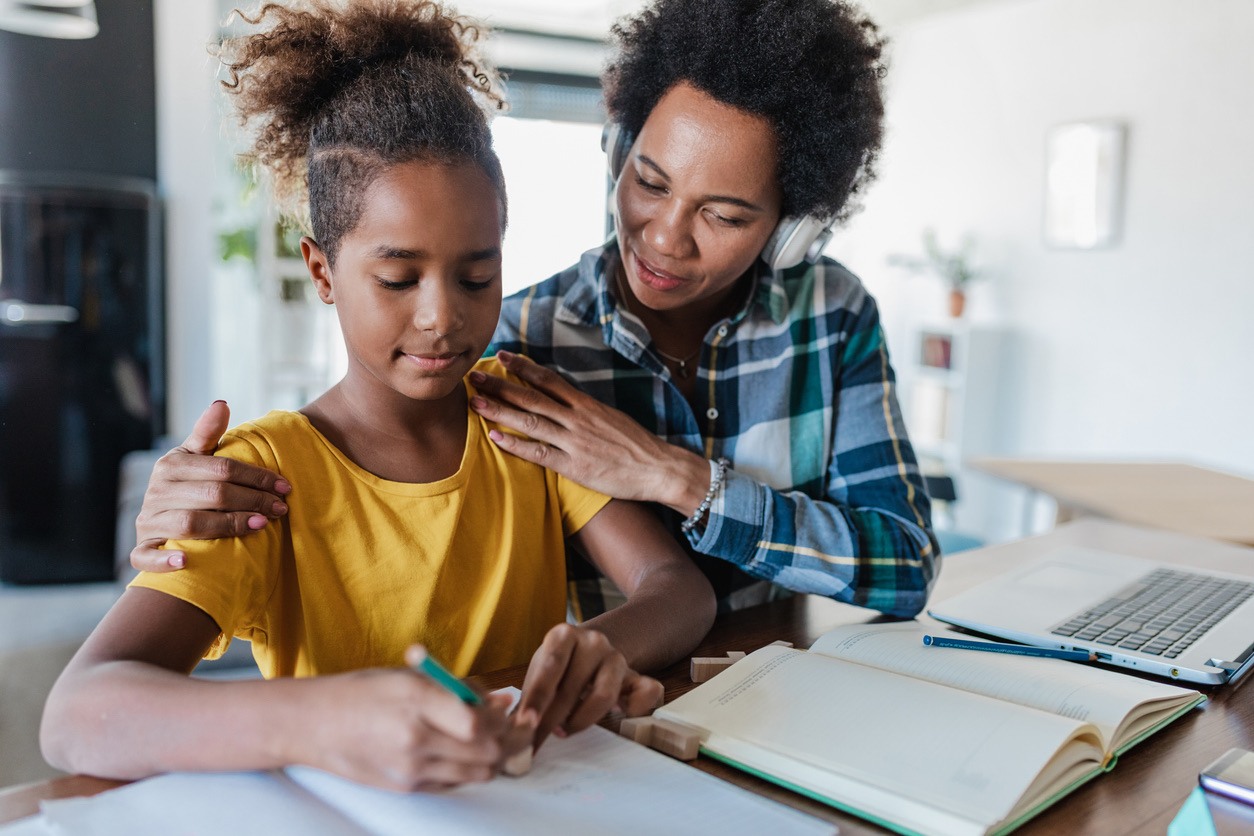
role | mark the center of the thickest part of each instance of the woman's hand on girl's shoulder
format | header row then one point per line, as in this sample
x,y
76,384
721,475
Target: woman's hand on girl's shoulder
x,y
576,677
574,434
194,495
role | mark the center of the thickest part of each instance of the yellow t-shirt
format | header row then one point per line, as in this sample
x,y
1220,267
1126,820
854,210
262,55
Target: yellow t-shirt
x,y
471,566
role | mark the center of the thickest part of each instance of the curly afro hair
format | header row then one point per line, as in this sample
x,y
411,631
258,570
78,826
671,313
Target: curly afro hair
x,y
337,92
812,68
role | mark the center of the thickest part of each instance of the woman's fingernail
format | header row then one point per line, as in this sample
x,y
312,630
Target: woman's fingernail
x,y
256,521
505,356
496,435
219,400
178,560
478,402
283,486
559,732
279,507
478,377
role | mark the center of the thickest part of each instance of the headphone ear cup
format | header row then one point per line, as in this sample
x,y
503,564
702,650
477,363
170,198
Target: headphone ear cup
x,y
796,240
616,142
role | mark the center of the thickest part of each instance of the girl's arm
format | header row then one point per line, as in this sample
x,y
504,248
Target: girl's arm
x,y
125,708
581,673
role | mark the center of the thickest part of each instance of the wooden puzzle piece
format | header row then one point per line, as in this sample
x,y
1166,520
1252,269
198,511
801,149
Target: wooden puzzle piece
x,y
663,736
518,764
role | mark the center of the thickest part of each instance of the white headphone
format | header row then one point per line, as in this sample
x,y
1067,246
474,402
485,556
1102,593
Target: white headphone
x,y
795,239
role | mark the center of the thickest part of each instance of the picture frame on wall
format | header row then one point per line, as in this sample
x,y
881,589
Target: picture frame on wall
x,y
1084,172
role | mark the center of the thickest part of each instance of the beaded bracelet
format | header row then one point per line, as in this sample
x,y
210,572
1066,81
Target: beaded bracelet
x,y
718,472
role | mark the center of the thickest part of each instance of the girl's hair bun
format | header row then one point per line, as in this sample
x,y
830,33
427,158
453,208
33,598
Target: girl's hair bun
x,y
387,80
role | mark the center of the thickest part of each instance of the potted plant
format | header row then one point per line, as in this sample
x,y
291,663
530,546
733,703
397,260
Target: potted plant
x,y
955,267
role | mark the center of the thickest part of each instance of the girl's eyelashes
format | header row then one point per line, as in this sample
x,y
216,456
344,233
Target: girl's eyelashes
x,y
473,285
388,284
647,186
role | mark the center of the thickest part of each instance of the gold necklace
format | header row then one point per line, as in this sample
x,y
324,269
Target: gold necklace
x,y
681,362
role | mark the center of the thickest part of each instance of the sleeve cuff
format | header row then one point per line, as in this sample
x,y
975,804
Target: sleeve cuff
x,y
734,523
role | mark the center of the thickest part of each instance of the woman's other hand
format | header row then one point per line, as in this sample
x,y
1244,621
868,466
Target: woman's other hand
x,y
581,438
194,495
576,677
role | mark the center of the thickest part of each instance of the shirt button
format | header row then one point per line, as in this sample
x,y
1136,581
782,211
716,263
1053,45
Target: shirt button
x,y
722,330
711,413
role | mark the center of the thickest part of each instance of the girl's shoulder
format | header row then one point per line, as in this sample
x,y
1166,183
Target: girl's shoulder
x,y
260,440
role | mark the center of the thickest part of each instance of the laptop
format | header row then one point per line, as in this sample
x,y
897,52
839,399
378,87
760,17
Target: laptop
x,y
1165,619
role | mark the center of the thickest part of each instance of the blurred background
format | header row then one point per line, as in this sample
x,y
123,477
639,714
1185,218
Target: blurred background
x,y
1076,170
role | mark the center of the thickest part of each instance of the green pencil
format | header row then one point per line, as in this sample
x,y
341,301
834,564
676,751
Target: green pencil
x,y
429,666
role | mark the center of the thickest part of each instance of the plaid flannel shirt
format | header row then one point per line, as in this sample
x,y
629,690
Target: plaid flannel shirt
x,y
824,494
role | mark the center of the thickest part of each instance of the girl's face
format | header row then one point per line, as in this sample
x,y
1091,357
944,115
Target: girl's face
x,y
417,283
697,199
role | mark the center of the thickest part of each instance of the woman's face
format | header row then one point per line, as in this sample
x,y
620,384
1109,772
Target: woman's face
x,y
417,282
697,199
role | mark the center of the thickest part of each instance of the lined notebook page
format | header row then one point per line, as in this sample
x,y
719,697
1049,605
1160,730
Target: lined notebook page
x,y
1068,689
939,747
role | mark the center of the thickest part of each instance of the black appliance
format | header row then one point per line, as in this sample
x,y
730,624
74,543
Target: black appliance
x,y
82,378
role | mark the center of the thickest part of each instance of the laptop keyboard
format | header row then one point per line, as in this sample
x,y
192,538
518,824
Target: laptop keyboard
x,y
1161,614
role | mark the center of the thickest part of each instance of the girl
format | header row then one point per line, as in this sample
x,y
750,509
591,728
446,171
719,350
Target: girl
x,y
410,524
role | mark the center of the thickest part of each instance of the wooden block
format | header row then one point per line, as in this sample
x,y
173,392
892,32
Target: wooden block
x,y
703,668
518,764
735,655
675,740
639,729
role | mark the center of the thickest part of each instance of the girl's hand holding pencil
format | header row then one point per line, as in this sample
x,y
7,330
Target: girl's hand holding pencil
x,y
409,731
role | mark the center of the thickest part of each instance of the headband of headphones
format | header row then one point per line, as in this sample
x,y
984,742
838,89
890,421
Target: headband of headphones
x,y
794,240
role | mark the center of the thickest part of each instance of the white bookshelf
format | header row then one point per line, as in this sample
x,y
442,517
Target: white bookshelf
x,y
948,384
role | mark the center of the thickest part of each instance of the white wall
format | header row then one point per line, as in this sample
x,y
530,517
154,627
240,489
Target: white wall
x,y
1144,350
187,140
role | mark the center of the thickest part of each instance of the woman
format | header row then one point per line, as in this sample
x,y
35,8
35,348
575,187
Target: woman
x,y
754,401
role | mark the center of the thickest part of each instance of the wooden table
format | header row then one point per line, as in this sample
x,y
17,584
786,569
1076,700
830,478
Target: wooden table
x,y
1142,794
1175,496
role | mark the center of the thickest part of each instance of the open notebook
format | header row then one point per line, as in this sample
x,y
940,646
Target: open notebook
x,y
919,739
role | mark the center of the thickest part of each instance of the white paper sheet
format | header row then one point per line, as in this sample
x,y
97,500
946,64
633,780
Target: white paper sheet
x,y
592,782
30,826
190,804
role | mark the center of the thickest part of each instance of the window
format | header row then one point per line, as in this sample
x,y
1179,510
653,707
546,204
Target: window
x,y
555,175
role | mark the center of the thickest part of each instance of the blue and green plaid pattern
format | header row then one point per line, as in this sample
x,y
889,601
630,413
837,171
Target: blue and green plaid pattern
x,y
824,495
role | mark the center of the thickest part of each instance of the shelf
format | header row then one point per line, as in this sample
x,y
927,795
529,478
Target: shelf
x,y
949,392
949,378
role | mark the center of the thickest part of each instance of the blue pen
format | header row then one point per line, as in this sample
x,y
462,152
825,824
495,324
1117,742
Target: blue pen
x,y
422,661
1016,649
